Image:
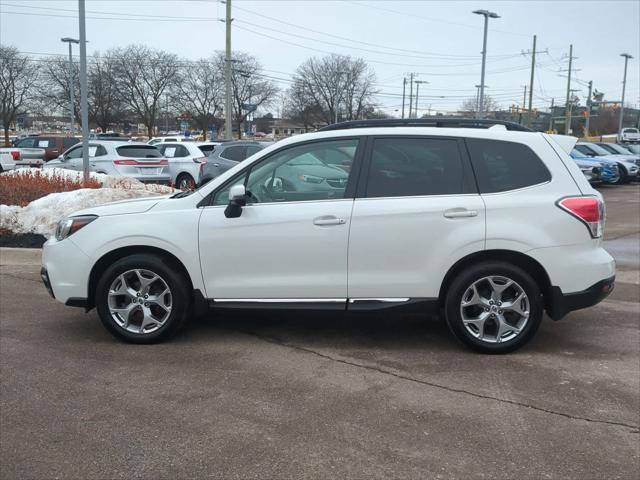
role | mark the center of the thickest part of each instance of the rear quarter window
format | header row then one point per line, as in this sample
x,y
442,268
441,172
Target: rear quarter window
x,y
139,151
501,166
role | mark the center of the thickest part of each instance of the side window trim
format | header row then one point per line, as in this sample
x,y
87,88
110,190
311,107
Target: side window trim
x,y
469,185
349,192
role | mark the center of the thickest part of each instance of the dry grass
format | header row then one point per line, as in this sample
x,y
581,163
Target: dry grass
x,y
23,188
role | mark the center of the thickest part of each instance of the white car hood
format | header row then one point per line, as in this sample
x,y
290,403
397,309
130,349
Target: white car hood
x,y
123,207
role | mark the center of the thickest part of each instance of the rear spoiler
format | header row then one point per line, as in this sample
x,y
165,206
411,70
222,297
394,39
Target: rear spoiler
x,y
565,142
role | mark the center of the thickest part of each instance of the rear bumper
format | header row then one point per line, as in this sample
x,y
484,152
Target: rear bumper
x,y
559,304
162,180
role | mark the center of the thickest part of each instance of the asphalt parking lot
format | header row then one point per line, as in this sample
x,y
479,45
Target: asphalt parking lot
x,y
309,396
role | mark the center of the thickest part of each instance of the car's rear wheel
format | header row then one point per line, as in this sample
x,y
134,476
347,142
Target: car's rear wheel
x,y
494,307
185,182
142,298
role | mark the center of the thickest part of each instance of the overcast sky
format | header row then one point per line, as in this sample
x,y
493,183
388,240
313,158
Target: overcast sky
x,y
439,41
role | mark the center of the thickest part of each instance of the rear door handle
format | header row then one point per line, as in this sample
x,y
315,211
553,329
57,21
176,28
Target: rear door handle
x,y
460,213
328,220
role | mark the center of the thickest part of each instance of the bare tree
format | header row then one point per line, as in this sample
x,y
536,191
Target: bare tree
x,y
54,90
199,91
470,105
250,89
18,77
105,101
143,76
333,83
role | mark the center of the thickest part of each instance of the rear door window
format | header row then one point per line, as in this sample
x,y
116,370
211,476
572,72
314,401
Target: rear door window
x,y
26,143
501,166
402,166
138,151
236,152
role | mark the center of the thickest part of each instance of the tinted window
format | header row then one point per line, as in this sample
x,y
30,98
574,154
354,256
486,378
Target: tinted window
x,y
139,151
74,153
69,142
26,143
414,166
206,148
502,166
251,149
173,150
237,153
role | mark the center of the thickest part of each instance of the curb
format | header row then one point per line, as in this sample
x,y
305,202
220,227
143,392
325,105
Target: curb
x,y
20,256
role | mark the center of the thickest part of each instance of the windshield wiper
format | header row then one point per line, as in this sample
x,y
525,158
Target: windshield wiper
x,y
185,193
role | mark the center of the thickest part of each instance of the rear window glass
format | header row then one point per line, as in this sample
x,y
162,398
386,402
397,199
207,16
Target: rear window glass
x,y
500,166
139,151
237,153
414,166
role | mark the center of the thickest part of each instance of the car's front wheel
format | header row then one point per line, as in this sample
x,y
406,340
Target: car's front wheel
x,y
142,298
494,307
185,182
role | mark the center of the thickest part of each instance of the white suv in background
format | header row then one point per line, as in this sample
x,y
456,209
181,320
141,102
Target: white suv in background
x,y
491,226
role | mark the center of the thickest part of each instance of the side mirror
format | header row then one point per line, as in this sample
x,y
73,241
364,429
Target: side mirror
x,y
237,200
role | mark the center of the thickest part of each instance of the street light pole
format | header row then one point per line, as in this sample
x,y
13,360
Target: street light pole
x,y
624,84
227,75
73,100
418,82
84,108
487,14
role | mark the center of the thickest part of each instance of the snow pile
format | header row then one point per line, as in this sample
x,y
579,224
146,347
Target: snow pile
x,y
42,215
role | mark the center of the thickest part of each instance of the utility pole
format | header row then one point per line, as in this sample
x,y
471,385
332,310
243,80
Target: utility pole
x,y
624,84
228,129
524,100
404,88
486,15
166,116
418,82
84,108
411,95
551,116
477,98
586,123
533,68
567,115
72,115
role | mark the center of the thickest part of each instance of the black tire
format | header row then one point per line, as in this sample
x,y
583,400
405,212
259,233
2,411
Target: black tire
x,y
185,181
170,273
466,278
624,178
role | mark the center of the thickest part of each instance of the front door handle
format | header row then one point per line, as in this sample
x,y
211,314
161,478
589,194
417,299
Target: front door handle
x,y
328,220
460,213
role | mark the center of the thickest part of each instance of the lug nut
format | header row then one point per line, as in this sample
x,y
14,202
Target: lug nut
x,y
499,303
486,309
146,296
499,311
137,294
490,302
146,304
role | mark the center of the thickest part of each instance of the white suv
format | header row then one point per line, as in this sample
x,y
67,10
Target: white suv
x,y
489,226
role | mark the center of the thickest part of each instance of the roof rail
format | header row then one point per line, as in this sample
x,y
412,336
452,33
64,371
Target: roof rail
x,y
440,122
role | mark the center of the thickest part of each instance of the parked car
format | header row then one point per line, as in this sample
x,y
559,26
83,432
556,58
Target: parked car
x,y
609,173
621,152
138,160
207,147
592,171
631,135
6,162
186,162
627,167
227,155
491,226
53,145
633,148
176,138
25,157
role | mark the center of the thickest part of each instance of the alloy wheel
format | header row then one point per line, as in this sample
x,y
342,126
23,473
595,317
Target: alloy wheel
x,y
140,301
495,309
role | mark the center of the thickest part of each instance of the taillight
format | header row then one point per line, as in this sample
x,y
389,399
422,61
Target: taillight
x,y
15,154
589,210
200,160
139,163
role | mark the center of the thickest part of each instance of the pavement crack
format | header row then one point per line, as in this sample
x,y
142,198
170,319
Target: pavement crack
x,y
634,428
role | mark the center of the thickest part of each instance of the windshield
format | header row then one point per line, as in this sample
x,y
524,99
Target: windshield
x,y
598,149
630,130
619,149
609,148
575,153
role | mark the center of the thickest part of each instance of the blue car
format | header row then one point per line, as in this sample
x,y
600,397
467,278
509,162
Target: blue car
x,y
610,172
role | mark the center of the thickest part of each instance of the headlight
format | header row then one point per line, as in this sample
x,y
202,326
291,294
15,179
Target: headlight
x,y
310,178
69,226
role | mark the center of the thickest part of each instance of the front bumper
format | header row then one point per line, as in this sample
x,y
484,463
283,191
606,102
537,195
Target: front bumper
x,y
559,304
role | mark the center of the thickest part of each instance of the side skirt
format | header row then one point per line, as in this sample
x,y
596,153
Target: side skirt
x,y
393,305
